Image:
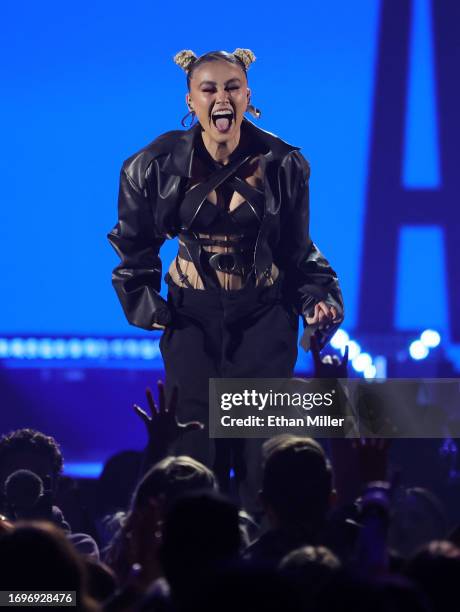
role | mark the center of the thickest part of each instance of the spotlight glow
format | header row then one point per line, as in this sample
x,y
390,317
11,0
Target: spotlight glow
x,y
418,350
45,349
353,350
430,338
17,348
361,362
149,349
339,339
370,371
4,349
75,348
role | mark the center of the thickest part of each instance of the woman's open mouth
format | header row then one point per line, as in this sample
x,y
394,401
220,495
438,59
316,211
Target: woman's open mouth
x,y
223,120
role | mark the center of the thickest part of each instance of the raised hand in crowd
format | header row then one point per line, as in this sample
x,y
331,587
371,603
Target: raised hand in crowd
x,y
162,426
358,461
329,366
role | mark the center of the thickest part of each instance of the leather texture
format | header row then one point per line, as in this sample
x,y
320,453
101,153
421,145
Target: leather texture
x,y
152,187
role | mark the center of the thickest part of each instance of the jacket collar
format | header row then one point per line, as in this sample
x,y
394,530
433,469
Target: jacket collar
x,y
180,157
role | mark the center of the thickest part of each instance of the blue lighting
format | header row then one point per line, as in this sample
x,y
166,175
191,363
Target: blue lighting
x,y
361,362
4,348
415,308
79,348
370,371
353,350
45,348
339,339
75,348
83,470
430,338
418,350
421,160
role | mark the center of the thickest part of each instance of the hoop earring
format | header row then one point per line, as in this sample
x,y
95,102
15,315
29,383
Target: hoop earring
x,y
192,113
255,112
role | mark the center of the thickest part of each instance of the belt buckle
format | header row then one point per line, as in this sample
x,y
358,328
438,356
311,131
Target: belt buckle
x,y
224,262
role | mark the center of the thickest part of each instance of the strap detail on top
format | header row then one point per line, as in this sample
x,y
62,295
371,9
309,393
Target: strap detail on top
x,y
251,194
194,198
242,243
182,276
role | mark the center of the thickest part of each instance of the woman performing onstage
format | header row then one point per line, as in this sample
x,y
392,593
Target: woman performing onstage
x,y
237,199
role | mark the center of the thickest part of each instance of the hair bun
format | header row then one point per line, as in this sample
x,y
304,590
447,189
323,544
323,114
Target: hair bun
x,y
245,55
185,59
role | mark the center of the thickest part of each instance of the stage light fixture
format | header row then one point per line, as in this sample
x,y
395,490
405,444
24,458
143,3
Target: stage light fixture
x,y
418,350
430,338
361,362
339,339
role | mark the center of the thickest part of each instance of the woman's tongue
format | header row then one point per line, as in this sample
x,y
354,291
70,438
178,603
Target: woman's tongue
x,y
223,124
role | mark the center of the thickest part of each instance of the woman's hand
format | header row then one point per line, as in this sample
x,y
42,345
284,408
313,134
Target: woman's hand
x,y
323,315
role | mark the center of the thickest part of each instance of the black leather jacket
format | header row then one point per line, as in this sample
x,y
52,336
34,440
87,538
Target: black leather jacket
x,y
152,183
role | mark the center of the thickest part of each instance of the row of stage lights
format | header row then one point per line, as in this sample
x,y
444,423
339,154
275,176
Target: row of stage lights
x,y
372,367
76,348
360,361
420,348
119,348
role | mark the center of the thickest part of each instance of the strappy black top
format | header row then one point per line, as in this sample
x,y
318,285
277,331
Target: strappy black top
x,y
197,215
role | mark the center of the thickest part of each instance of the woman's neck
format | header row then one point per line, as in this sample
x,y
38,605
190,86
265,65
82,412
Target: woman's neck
x,y
221,151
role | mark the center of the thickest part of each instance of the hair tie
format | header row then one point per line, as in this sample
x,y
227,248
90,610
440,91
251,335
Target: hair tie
x,y
185,59
245,55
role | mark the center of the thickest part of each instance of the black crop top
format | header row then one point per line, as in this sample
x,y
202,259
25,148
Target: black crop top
x,y
212,218
198,215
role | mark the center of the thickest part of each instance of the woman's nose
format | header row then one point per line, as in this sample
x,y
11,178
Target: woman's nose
x,y
222,96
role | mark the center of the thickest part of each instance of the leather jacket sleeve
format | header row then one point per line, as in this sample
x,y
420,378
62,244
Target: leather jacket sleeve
x,y
309,275
137,279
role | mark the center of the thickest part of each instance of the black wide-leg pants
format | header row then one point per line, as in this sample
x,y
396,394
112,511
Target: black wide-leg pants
x,y
215,333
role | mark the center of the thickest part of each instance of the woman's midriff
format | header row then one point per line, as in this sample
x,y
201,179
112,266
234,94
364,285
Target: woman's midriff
x,y
226,280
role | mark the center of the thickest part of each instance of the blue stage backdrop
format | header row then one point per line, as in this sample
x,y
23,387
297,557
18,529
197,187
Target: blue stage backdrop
x,y
368,89
88,84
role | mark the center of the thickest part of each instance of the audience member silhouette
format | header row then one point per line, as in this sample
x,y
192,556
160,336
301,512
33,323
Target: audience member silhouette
x,y
38,557
136,541
296,493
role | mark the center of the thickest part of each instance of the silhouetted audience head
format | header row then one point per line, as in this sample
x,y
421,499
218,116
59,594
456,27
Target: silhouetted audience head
x,y
348,592
162,484
246,588
436,568
200,534
297,481
101,580
172,477
118,481
28,449
313,569
38,557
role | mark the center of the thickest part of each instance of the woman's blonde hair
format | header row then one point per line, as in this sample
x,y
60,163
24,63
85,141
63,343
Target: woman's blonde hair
x,y
188,60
